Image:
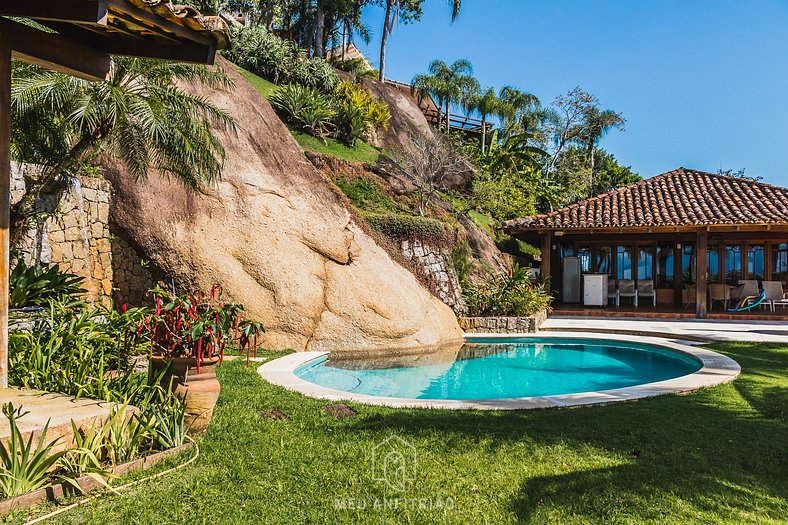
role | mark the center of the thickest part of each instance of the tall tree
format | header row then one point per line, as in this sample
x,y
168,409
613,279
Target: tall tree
x,y
597,124
449,84
487,103
403,11
520,104
139,115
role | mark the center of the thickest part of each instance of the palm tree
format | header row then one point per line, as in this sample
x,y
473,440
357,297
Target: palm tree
x,y
449,84
139,116
403,9
521,104
487,103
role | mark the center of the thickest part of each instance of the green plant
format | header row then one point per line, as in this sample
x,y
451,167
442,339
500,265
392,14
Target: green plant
x,y
86,458
304,106
126,434
166,422
279,60
80,351
23,468
510,294
462,261
400,227
36,285
351,123
369,196
375,112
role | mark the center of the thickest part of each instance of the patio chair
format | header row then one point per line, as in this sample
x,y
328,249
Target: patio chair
x,y
689,295
612,291
646,289
749,288
720,293
775,295
627,288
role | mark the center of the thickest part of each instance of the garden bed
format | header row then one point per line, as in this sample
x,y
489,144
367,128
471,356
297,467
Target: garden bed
x,y
503,325
88,483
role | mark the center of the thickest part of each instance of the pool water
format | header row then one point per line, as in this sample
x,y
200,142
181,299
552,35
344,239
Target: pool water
x,y
495,368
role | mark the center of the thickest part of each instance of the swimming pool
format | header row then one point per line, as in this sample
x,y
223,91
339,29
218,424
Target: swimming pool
x,y
511,372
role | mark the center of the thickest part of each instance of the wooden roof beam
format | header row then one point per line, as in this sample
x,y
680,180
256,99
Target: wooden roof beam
x,y
156,21
54,51
74,11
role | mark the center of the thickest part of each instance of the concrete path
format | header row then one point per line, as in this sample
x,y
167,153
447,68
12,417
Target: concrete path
x,y
689,329
57,409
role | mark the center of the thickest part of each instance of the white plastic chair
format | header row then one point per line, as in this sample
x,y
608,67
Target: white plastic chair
x,y
775,295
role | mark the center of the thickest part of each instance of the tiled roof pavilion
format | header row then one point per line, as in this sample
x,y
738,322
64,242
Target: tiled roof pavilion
x,y
677,199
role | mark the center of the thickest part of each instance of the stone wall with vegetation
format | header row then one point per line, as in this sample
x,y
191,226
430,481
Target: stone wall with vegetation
x,y
71,229
503,325
436,263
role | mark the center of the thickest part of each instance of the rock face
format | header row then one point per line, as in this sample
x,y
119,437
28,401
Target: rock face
x,y
279,239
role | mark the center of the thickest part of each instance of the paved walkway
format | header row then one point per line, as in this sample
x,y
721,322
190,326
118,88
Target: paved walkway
x,y
749,331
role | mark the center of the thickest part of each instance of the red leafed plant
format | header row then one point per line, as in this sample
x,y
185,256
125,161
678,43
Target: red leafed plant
x,y
199,326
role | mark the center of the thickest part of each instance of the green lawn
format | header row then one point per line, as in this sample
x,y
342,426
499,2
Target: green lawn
x,y
713,456
362,152
263,86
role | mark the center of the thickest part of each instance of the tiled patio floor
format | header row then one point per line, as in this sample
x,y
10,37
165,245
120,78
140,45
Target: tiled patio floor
x,y
690,329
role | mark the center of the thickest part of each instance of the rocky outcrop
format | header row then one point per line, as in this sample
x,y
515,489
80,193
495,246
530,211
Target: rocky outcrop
x,y
280,240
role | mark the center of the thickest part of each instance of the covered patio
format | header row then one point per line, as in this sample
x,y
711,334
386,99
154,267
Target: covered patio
x,y
681,244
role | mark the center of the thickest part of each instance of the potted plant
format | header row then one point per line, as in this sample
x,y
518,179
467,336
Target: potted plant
x,y
189,336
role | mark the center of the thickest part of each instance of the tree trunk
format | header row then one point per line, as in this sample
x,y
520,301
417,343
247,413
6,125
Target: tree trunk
x,y
320,22
384,39
484,133
448,126
592,164
269,15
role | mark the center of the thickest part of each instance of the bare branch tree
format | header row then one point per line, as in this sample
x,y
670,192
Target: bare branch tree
x,y
430,161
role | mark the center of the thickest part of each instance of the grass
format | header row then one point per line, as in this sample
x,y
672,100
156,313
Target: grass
x,y
264,87
481,220
362,152
714,456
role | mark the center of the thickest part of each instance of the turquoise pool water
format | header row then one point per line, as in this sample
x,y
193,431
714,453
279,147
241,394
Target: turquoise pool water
x,y
491,368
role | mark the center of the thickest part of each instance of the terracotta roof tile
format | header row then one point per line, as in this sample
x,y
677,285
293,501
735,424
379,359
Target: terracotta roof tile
x,y
681,197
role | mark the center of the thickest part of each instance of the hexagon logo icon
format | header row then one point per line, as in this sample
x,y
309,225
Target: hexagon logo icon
x,y
394,462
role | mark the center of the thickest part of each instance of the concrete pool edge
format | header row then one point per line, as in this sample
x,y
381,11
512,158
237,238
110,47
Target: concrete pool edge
x,y
716,369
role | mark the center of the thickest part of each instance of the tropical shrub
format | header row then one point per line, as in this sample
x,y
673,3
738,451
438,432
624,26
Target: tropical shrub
x,y
376,113
401,227
305,107
23,468
279,61
36,285
198,326
511,294
355,66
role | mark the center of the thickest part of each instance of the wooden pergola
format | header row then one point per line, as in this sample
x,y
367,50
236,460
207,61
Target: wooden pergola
x,y
78,37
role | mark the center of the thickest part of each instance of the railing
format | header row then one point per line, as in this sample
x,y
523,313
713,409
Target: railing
x,y
437,117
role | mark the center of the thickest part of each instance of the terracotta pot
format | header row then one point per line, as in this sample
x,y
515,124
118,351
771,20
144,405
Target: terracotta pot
x,y
201,391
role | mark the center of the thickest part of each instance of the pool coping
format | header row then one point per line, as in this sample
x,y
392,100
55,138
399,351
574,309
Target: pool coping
x,y
716,369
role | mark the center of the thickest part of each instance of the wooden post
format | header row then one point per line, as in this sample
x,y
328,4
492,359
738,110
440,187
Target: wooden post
x,y
701,277
547,248
5,198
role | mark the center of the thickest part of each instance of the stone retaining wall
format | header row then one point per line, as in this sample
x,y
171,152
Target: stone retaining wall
x,y
437,265
71,230
503,325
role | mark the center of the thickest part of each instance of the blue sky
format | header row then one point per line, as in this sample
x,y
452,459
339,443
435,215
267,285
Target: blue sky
x,y
702,84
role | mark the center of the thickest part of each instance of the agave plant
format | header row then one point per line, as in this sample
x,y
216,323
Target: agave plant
x,y
23,468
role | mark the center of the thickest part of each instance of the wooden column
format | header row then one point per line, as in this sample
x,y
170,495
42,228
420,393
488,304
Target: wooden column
x,y
5,198
701,277
678,286
547,261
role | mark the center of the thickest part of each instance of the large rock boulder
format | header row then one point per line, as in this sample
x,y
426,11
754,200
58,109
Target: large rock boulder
x,y
279,239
